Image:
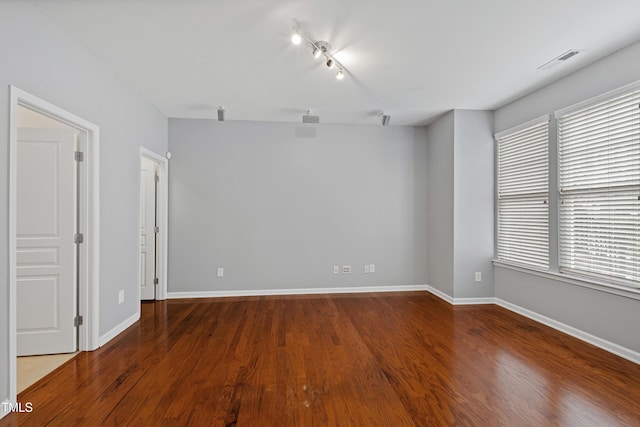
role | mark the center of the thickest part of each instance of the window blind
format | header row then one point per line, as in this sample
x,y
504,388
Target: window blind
x,y
523,186
599,187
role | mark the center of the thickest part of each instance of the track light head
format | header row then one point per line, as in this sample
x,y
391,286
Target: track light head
x,y
320,48
295,38
385,119
340,74
330,62
221,111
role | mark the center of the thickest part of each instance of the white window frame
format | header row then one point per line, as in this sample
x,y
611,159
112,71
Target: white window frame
x,y
627,194
531,247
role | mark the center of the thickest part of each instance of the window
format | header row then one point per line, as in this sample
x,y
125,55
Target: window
x,y
523,186
599,189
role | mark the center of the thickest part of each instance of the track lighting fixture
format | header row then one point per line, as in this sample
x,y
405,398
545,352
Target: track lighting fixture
x,y
318,49
221,111
384,119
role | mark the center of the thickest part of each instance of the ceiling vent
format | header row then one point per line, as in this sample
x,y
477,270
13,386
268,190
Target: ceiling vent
x,y
560,59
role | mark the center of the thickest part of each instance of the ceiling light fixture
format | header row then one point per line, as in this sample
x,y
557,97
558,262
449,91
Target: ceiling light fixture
x,y
318,49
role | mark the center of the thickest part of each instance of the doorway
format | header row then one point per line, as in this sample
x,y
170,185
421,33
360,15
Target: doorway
x,y
153,226
59,166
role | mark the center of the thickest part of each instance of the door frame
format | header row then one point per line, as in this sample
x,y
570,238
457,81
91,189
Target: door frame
x,y
162,210
89,252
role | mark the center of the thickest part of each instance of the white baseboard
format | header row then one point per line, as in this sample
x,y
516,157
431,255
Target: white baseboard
x,y
448,298
118,329
459,301
299,291
614,348
474,301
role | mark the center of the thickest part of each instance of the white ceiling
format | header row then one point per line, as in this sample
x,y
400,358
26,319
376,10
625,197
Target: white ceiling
x,y
413,59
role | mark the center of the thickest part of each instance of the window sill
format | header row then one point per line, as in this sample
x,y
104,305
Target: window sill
x,y
610,288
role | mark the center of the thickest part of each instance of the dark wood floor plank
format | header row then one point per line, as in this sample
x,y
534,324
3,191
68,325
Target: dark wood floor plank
x,y
395,359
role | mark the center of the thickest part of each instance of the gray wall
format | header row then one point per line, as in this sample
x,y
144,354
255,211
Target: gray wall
x,y
278,211
461,214
440,216
39,58
611,317
473,203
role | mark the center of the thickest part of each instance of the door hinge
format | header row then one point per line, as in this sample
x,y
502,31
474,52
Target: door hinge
x,y
78,238
156,178
79,156
77,321
156,229
155,281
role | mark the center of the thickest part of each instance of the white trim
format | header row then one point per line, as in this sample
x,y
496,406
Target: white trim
x,y
163,213
90,212
299,291
596,99
13,346
522,126
474,301
448,298
460,301
616,349
610,288
118,329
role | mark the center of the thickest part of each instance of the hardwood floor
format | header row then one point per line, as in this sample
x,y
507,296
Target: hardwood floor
x,y
399,359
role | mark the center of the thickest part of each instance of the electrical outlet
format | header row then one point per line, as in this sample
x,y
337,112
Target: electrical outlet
x,y
372,268
336,269
366,268
346,269
478,276
220,272
120,296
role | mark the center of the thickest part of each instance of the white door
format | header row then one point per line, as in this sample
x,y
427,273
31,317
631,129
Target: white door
x,y
46,256
148,229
